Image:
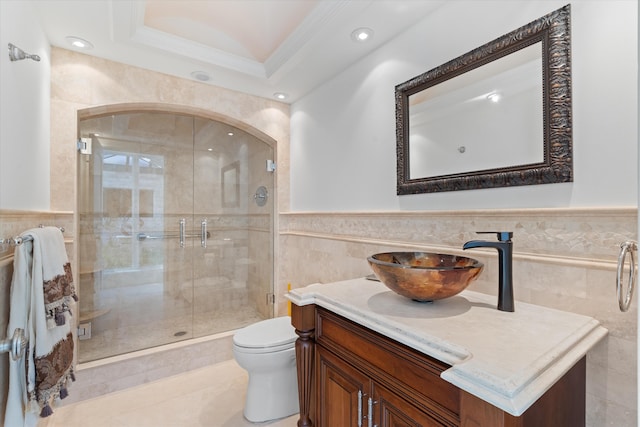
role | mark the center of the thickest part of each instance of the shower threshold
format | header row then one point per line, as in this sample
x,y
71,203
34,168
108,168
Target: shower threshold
x,y
120,372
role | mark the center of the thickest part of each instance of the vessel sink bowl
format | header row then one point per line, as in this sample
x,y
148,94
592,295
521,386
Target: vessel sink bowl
x,y
425,276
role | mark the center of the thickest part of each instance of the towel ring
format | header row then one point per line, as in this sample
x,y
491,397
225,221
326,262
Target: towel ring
x,y
630,248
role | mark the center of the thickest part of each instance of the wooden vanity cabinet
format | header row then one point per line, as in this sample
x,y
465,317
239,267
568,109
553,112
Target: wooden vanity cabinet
x,y
342,393
351,376
362,375
347,397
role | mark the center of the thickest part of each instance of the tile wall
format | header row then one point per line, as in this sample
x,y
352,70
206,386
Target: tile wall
x,y
80,83
563,258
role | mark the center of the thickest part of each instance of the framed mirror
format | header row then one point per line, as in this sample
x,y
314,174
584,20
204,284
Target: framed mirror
x,y
497,116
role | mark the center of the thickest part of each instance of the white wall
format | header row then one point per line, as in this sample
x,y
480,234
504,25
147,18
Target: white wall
x,y
24,110
343,133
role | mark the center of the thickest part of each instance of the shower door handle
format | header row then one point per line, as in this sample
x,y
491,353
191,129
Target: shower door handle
x,y
183,226
203,233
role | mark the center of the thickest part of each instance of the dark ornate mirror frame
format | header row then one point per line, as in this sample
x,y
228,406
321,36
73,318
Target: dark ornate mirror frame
x,y
553,30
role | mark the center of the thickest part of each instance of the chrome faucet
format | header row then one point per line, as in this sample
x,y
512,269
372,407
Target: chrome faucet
x,y
505,261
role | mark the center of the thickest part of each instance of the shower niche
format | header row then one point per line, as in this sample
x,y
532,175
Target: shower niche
x,y
171,245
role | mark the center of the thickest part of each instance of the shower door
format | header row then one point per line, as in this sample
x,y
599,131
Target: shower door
x,y
171,245
233,255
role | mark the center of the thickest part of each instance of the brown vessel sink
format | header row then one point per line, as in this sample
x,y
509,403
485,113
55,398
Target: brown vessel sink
x,y
425,276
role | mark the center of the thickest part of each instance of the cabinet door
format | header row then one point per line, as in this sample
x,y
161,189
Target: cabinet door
x,y
391,410
341,392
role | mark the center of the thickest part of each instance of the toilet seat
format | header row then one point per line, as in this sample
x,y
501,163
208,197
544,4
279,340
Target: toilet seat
x,y
266,336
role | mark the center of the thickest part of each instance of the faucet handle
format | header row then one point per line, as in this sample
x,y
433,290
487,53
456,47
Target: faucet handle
x,y
503,236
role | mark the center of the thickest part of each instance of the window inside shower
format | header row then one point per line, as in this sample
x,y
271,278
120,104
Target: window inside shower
x,y
172,244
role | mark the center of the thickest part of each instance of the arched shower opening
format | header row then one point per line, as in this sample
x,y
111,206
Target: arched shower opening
x,y
175,227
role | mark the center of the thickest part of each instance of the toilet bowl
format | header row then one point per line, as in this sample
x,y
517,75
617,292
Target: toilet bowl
x,y
266,350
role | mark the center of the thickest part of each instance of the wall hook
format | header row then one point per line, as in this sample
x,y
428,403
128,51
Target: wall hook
x,y
17,54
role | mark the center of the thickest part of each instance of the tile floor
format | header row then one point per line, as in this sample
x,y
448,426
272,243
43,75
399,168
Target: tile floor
x,y
206,397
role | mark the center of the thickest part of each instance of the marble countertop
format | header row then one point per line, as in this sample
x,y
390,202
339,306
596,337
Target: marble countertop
x,y
506,359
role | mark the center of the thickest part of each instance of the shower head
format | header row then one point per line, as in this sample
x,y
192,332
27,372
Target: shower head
x,y
17,54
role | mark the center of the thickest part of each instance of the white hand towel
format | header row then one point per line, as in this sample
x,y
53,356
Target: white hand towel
x,y
41,296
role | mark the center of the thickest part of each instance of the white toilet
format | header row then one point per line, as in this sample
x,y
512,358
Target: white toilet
x,y
267,351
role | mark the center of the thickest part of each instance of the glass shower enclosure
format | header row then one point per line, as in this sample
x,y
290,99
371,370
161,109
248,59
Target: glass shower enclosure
x,y
175,231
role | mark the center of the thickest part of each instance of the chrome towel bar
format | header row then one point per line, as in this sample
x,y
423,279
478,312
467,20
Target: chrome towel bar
x,y
18,240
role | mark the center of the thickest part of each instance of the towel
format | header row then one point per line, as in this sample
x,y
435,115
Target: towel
x,y
42,294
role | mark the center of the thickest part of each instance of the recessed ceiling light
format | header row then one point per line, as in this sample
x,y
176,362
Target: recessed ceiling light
x,y
209,149
201,76
79,43
230,133
362,35
280,95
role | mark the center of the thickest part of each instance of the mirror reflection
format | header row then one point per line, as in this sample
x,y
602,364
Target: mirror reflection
x,y
500,105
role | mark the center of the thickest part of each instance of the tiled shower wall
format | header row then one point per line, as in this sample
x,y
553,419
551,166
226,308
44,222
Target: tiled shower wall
x,y
563,258
80,82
